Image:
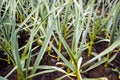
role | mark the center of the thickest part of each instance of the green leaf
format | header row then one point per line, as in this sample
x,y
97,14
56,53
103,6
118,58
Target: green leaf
x,y
106,51
2,78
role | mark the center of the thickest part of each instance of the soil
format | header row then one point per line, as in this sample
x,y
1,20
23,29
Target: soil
x,y
99,71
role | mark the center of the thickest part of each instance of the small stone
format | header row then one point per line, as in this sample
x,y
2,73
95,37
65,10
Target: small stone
x,y
54,60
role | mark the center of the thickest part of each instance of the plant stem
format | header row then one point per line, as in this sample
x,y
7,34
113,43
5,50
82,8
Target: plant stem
x,y
59,49
78,75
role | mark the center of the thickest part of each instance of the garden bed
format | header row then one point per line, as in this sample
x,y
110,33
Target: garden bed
x,y
59,40
100,71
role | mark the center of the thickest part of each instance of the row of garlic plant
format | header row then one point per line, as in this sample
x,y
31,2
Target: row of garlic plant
x,y
42,19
